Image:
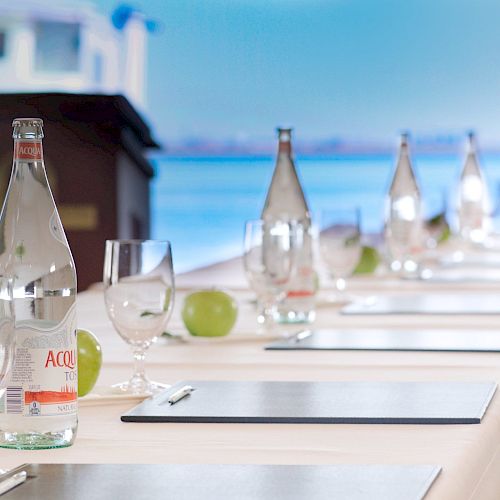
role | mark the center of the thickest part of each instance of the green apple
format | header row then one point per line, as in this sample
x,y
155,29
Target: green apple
x,y
369,261
439,228
209,313
89,361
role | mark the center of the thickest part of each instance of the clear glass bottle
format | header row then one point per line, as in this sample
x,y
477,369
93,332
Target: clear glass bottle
x,y
286,202
473,200
39,407
403,229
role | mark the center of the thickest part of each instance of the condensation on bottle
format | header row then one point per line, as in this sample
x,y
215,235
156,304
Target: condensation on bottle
x,y
403,228
285,201
39,406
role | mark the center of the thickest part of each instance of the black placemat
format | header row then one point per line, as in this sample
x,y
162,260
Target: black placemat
x,y
391,340
226,482
320,402
426,303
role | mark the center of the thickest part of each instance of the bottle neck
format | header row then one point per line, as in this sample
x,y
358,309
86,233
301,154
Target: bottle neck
x,y
471,144
404,150
28,150
285,148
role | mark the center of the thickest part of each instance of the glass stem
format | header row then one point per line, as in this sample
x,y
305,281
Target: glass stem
x,y
266,314
340,285
139,370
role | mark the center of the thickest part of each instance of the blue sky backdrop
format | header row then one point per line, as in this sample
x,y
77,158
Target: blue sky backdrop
x,y
350,68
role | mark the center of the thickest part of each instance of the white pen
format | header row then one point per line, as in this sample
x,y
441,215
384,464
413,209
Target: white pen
x,y
304,334
181,393
12,481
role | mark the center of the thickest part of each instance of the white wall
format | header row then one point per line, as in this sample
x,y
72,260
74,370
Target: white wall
x,y
123,56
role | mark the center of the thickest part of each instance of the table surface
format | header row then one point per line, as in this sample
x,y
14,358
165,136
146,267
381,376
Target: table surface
x,y
468,454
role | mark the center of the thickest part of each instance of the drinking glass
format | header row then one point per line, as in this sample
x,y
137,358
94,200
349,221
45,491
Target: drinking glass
x,y
139,297
6,331
268,261
340,246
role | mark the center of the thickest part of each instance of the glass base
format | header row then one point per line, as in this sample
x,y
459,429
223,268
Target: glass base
x,y
36,441
139,386
296,317
404,267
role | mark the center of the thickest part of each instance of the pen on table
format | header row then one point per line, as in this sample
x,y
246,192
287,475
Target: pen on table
x,y
181,393
12,481
304,334
4,473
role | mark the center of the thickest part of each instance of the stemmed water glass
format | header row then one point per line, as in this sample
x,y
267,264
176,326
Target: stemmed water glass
x,y
268,261
139,297
340,246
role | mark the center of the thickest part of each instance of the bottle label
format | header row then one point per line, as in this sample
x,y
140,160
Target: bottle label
x,y
44,378
28,150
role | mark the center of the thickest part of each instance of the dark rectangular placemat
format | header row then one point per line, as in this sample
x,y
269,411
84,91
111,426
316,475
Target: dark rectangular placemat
x,y
426,303
461,274
320,402
391,340
226,482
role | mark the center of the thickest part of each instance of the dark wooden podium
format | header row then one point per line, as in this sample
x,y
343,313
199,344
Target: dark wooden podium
x,y
94,149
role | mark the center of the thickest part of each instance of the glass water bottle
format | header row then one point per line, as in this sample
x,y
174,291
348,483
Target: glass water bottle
x,y
473,203
39,406
286,202
403,230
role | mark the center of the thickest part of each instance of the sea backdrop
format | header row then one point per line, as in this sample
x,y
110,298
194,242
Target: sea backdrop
x,y
201,204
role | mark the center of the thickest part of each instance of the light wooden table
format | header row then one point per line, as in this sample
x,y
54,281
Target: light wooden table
x,y
469,454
